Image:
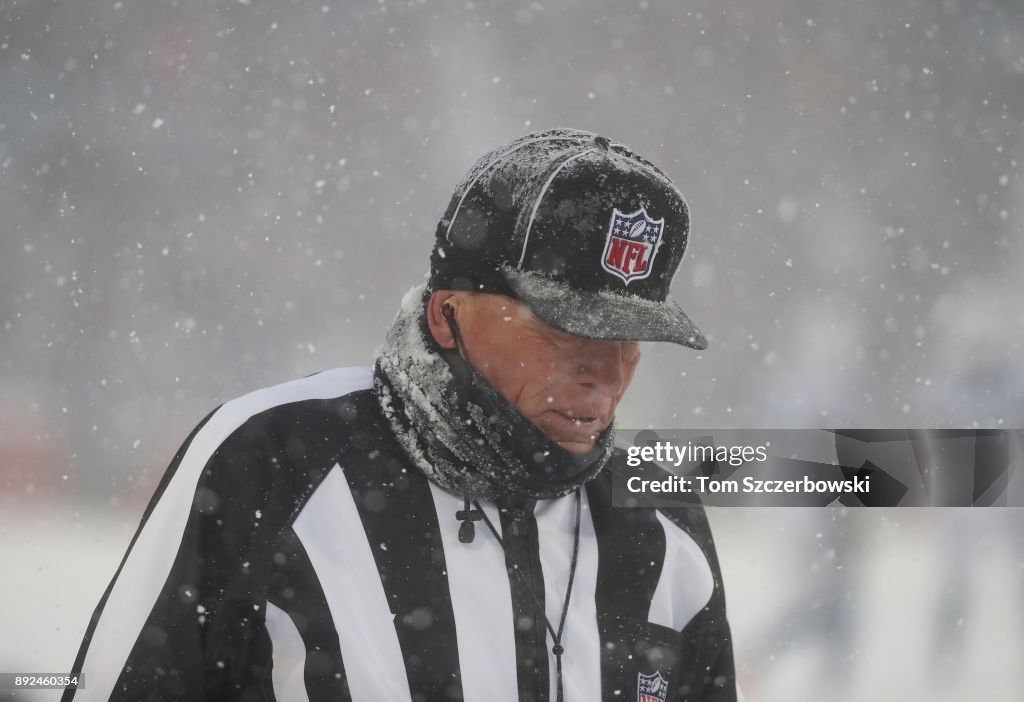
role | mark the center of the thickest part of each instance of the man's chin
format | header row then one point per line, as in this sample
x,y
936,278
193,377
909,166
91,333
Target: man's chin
x,y
577,447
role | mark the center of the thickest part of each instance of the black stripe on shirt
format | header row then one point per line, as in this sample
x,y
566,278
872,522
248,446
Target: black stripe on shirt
x,y
521,544
398,515
627,576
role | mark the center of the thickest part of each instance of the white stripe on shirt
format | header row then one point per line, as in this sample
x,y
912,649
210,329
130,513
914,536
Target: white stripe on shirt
x,y
332,533
289,656
581,661
482,604
686,583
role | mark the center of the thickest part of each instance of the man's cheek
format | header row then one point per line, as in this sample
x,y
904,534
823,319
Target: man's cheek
x,y
629,375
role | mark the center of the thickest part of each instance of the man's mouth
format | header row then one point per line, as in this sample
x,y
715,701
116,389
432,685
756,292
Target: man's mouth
x,y
578,420
574,431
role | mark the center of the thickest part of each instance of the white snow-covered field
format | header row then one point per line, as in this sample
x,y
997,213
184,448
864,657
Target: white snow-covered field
x,y
887,604
56,564
876,604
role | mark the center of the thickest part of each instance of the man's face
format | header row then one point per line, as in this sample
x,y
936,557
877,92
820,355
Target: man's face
x,y
567,386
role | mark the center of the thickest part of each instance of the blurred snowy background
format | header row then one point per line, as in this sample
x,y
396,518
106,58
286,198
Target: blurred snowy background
x,y
198,199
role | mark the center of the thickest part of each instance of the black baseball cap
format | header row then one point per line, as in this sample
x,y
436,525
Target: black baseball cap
x,y
581,229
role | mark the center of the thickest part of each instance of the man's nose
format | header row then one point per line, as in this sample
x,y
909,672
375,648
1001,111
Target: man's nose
x,y
603,365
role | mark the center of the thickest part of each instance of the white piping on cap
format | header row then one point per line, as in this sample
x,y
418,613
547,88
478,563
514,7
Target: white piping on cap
x,y
492,164
526,239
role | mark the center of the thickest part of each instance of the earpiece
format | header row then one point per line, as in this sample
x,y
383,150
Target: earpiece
x,y
448,312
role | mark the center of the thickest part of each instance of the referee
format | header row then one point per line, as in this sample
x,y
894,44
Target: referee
x,y
441,526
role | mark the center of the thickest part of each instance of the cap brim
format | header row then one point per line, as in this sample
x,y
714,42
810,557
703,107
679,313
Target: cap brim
x,y
604,315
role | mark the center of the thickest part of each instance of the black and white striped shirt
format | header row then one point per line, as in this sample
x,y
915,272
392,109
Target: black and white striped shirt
x,y
292,552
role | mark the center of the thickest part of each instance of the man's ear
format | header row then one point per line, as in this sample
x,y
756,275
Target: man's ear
x,y
439,328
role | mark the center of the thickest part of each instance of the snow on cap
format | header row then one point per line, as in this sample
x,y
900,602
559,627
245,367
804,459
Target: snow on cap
x,y
584,231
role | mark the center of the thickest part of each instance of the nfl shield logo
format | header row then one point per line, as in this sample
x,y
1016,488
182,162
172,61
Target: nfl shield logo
x,y
651,688
632,244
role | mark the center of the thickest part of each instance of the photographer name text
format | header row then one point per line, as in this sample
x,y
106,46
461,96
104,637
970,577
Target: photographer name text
x,y
711,485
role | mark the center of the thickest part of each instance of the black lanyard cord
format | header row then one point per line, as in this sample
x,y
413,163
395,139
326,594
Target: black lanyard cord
x,y
556,636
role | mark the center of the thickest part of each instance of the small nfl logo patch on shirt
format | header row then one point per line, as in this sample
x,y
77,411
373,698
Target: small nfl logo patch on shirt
x,y
651,688
632,244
